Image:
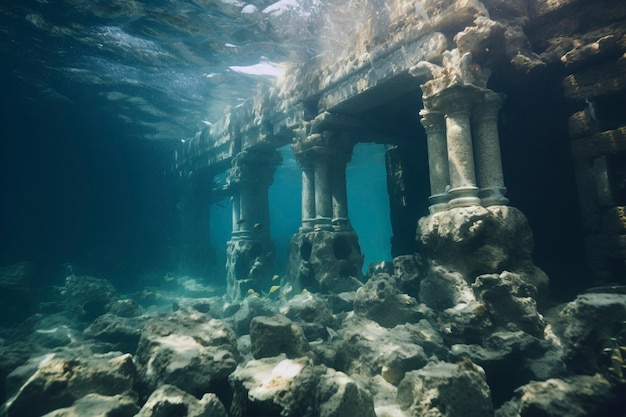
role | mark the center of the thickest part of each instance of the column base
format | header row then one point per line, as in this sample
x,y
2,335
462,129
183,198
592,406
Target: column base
x,y
438,203
341,224
463,197
323,223
307,225
493,196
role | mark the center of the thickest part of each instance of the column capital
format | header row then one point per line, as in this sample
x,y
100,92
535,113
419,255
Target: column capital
x,y
254,166
458,99
433,121
489,105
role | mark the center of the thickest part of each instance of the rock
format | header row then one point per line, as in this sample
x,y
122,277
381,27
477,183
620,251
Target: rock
x,y
444,288
367,349
294,388
585,326
477,240
261,387
126,308
96,405
382,267
17,297
576,396
406,270
51,330
380,300
189,350
326,262
168,401
213,306
312,314
239,315
271,336
56,380
341,302
507,358
88,297
465,323
510,303
121,332
446,390
12,356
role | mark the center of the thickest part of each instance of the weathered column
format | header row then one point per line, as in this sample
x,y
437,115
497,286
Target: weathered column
x,y
236,211
435,127
249,264
308,192
323,191
456,104
487,145
328,258
339,191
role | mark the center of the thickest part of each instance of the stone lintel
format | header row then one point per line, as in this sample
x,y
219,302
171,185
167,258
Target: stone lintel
x,y
597,81
606,143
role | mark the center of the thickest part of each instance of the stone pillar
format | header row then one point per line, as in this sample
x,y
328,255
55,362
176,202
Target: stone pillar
x,y
326,258
487,144
250,252
323,191
435,127
236,212
308,194
339,192
463,190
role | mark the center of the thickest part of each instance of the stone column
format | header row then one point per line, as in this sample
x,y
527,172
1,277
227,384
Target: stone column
x,y
308,193
339,192
435,127
456,105
249,264
323,191
236,211
487,144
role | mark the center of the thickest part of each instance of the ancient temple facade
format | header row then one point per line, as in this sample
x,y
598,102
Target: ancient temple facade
x,y
440,79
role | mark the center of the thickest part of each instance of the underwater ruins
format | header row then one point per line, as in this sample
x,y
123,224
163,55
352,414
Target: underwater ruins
x,y
461,322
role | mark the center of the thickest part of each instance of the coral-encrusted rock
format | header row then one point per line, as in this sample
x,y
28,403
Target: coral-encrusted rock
x,y
312,313
380,300
477,240
368,349
326,262
240,314
446,390
511,302
168,401
56,380
406,269
443,288
577,396
271,336
187,349
294,388
510,359
96,405
126,308
88,297
586,325
121,332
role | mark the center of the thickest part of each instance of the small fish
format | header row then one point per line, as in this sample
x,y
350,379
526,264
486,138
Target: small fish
x,y
240,221
258,226
274,288
252,292
275,277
